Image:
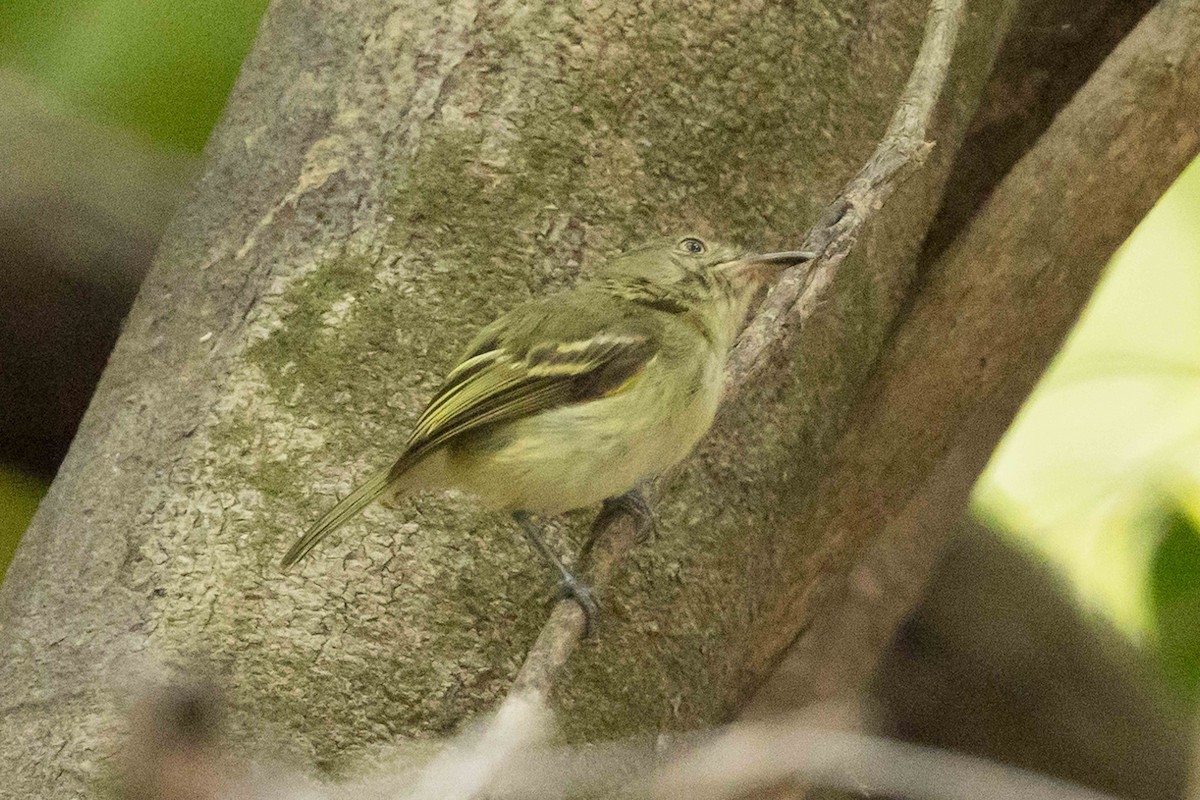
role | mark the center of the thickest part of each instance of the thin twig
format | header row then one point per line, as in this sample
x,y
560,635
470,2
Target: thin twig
x,y
509,761
748,759
613,537
791,301
795,295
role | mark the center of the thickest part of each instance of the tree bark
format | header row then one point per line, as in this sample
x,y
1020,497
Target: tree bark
x,y
992,311
386,180
835,658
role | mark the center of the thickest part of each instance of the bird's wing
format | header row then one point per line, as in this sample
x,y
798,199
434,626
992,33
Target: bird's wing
x,y
499,383
502,382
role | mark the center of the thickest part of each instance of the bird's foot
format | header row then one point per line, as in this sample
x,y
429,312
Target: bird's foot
x,y
632,503
572,589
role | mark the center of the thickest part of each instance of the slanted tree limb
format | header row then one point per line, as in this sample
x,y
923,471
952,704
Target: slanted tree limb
x,y
1030,255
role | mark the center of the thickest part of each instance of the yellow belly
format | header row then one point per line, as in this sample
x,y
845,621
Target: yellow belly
x,y
579,455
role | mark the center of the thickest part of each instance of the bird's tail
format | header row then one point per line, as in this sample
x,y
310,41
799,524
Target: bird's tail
x,y
346,509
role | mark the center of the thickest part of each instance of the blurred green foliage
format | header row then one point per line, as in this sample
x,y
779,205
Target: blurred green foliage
x,y
19,496
160,67
1175,600
1111,435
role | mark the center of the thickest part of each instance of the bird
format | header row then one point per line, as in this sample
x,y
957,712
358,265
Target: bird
x,y
577,397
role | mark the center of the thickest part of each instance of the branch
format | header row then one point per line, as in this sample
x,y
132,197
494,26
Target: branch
x,y
791,301
795,296
994,309
171,757
747,759
742,760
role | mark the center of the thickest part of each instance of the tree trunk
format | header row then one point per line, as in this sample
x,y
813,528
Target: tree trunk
x,y
385,181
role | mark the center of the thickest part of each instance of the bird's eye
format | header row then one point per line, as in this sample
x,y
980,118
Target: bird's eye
x,y
693,246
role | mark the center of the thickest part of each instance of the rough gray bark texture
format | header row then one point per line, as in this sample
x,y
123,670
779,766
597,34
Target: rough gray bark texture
x,y
386,180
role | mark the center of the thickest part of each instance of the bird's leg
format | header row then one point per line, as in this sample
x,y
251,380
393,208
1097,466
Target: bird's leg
x,y
634,504
570,586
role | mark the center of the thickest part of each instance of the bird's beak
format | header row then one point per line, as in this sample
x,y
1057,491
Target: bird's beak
x,y
765,266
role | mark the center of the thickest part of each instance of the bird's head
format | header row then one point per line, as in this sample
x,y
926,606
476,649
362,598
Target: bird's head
x,y
694,263
699,276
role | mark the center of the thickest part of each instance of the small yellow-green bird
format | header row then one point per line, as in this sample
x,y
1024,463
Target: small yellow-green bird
x,y
575,398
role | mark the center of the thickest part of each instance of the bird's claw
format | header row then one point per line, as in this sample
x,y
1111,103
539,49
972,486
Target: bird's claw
x,y
571,589
634,504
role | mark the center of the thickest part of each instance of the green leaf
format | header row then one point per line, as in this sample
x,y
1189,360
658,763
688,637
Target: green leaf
x,y
1175,601
160,67
19,496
